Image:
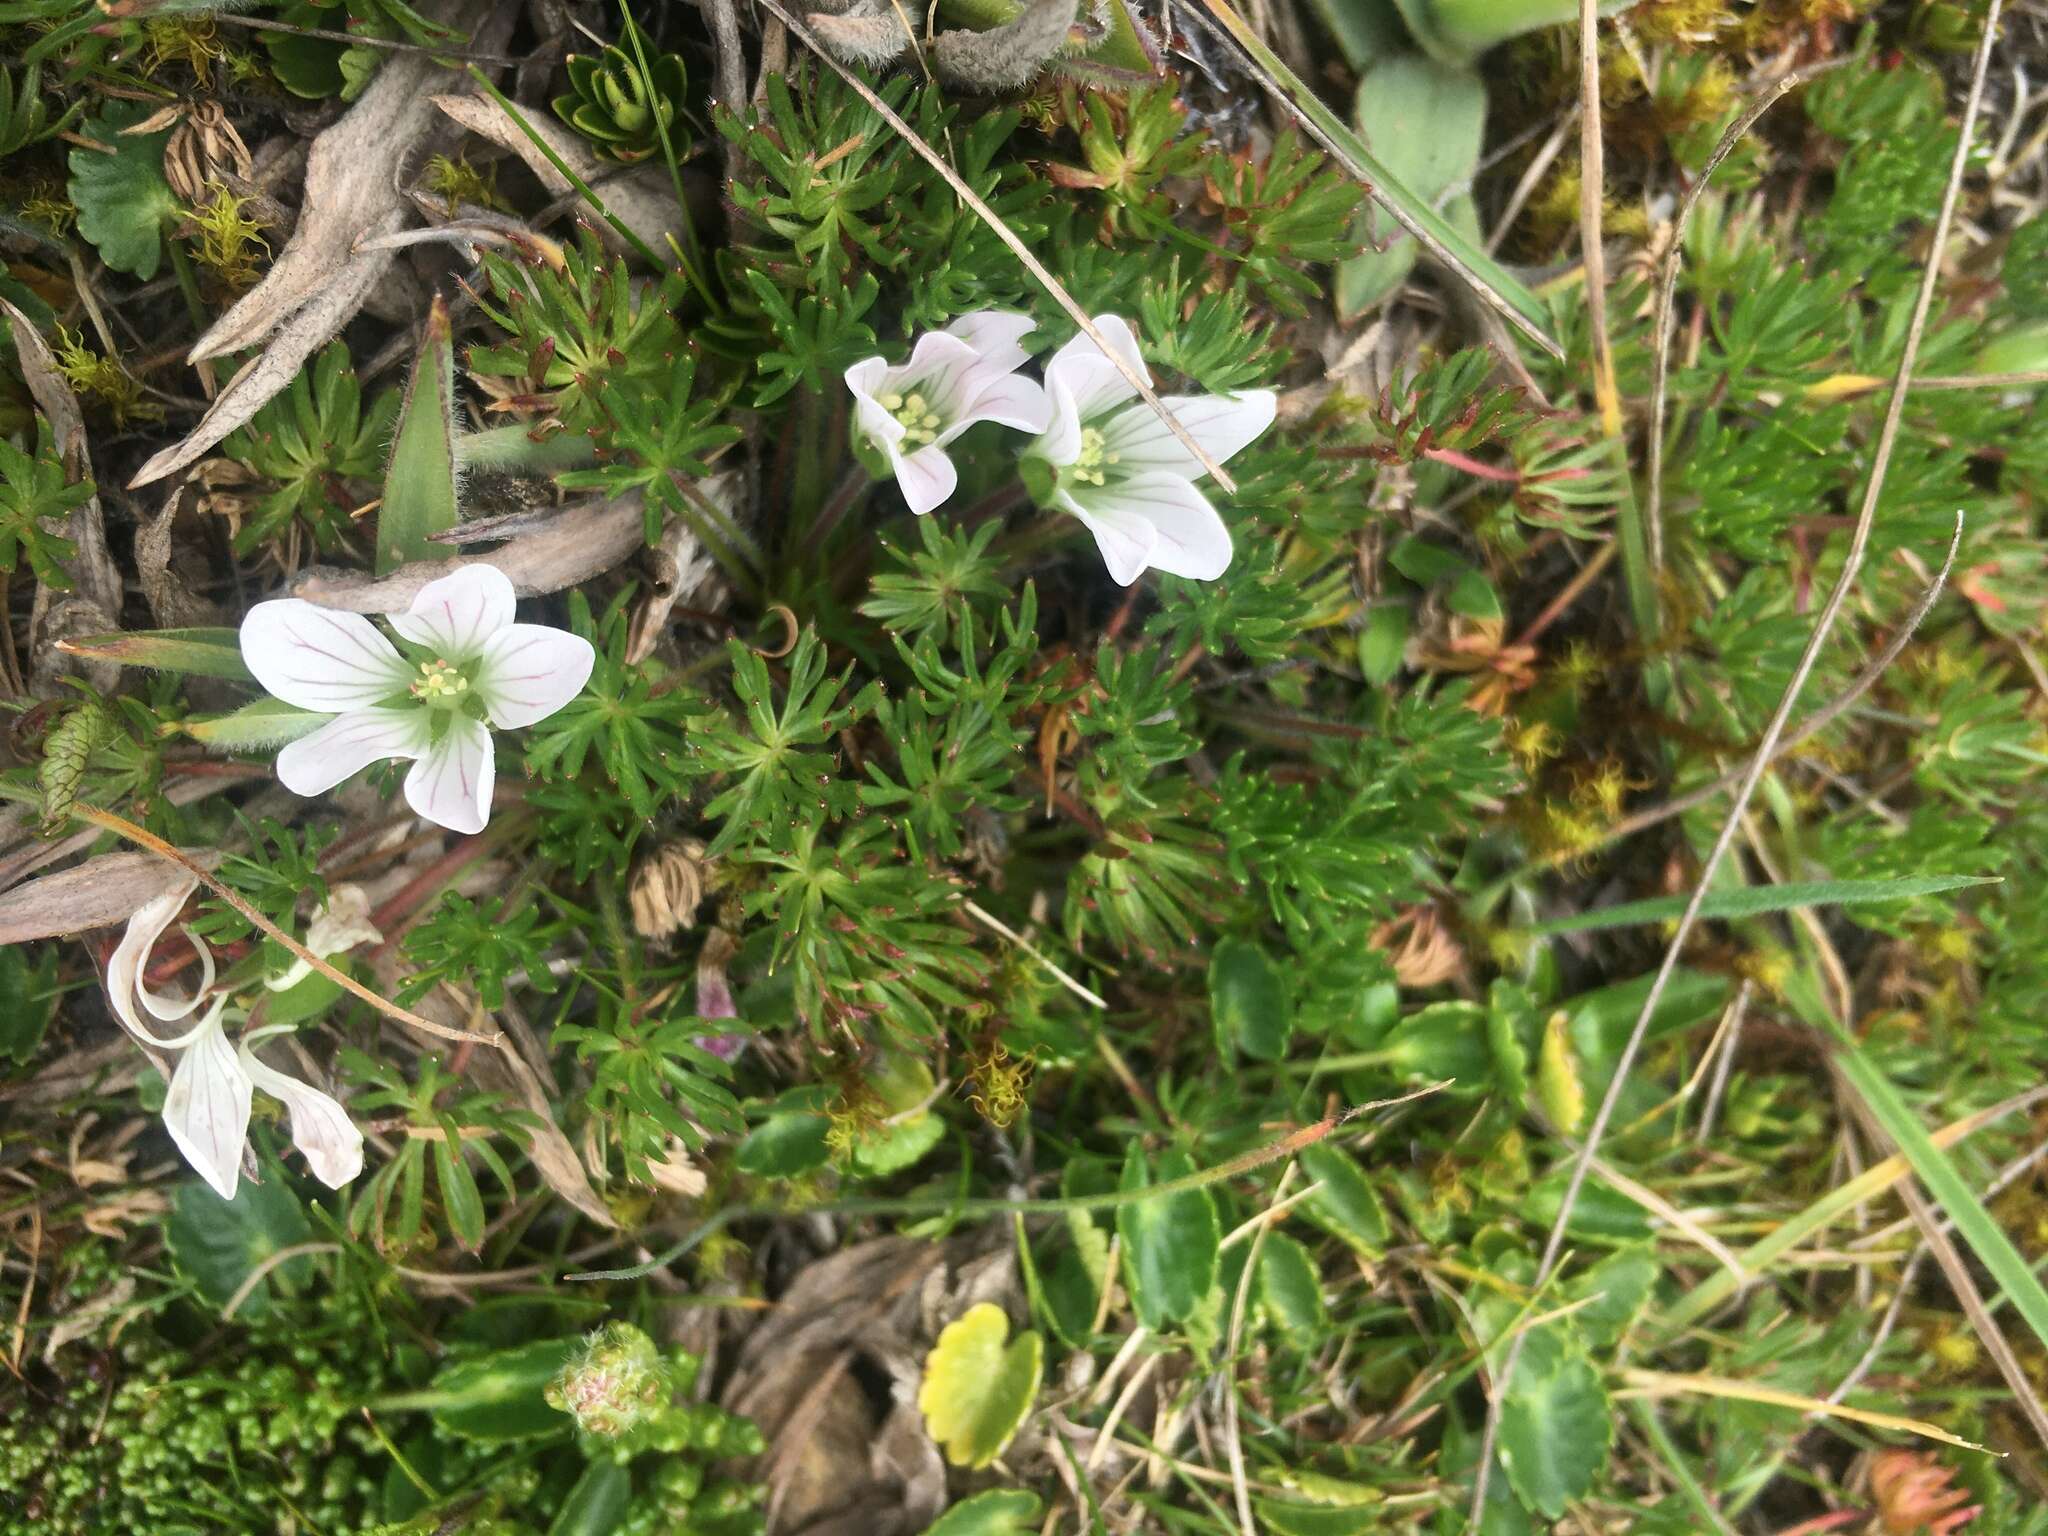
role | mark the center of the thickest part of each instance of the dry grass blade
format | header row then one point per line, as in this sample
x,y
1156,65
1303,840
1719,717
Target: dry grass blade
x,y
1667,287
1661,1384
1592,189
120,826
1760,761
1052,285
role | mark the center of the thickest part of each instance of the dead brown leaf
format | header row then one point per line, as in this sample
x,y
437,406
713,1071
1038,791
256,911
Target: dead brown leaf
x,y
96,894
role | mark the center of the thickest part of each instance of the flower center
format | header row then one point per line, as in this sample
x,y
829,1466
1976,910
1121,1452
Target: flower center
x,y
440,683
914,413
1091,466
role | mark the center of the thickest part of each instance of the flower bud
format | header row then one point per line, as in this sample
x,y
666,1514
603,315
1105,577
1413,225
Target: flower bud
x,y
616,1382
668,887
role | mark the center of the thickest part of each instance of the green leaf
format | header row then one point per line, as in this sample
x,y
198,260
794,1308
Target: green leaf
x,y
1427,121
1345,1206
1383,644
28,997
977,1387
1170,1244
420,484
218,1244
1291,1289
1248,1001
1555,1423
999,1512
460,1197
1760,900
1364,29
898,1144
1286,1519
199,652
1074,1281
597,1505
494,1397
122,198
784,1146
1620,1285
254,727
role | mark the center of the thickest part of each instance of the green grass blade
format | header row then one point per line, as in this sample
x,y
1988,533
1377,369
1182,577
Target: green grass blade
x,y
1951,1191
1437,235
1756,901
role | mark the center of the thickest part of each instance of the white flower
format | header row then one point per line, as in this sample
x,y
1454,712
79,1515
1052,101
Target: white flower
x,y
1119,469
955,378
213,1085
470,664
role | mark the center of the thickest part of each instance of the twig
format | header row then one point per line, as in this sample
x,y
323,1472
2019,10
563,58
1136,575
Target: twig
x,y
1851,565
1134,376
1592,188
256,1276
1233,1445
1003,929
1667,287
120,826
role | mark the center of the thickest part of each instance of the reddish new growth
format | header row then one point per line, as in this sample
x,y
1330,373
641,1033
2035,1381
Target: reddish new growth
x,y
1915,1497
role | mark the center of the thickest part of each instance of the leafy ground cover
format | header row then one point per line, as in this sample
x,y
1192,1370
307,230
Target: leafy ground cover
x,y
1054,768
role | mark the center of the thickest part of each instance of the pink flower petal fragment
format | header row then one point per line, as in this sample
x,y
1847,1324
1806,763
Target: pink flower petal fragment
x,y
456,616
320,659
528,671
451,783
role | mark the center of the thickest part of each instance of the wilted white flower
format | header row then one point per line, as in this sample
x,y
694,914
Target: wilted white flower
x,y
1107,458
955,378
341,923
467,667
213,1086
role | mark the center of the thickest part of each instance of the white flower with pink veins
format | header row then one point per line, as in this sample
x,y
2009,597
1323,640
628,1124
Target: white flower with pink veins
x,y
466,667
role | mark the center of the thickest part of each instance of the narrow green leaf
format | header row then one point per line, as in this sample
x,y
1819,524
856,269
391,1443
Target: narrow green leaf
x,y
493,1397
459,1194
1345,1206
1759,900
1291,1290
1493,282
255,727
200,652
1951,1191
597,1505
419,485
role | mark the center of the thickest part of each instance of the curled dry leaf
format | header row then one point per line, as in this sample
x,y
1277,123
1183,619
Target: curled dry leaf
x,y
321,279
94,603
681,570
97,894
643,199
578,543
172,602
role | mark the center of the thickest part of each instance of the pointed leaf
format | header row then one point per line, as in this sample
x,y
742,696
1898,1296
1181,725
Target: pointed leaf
x,y
419,485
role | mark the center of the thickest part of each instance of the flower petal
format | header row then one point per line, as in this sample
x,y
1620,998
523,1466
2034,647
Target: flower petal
x,y
170,1009
867,377
1085,372
125,965
926,478
320,659
528,671
451,783
995,333
1124,538
349,743
207,1108
321,1128
945,370
457,614
1222,424
1189,539
1009,398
